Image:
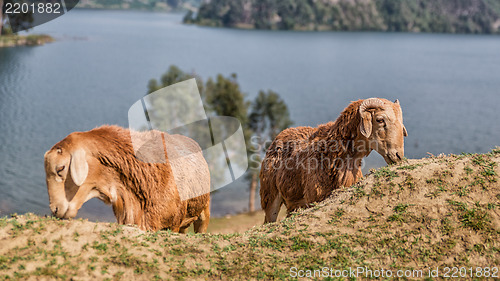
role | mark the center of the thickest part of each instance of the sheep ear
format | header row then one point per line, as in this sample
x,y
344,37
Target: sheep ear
x,y
79,166
405,133
366,115
366,124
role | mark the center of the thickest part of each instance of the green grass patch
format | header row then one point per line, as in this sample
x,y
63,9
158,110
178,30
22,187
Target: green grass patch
x,y
475,218
385,173
410,167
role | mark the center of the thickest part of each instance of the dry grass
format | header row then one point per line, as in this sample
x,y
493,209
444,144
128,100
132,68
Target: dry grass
x,y
440,211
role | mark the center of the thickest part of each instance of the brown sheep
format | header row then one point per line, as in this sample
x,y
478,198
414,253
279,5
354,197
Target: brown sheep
x,y
303,165
101,163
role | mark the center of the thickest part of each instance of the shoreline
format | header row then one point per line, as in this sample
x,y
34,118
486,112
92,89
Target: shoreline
x,y
25,40
243,26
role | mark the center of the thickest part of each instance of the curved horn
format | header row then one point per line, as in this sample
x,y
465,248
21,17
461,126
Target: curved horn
x,y
369,104
366,117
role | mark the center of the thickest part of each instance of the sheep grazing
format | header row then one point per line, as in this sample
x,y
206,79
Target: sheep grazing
x,y
101,163
303,165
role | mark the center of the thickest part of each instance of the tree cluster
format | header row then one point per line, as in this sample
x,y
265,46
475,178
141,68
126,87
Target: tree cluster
x,y
458,16
262,119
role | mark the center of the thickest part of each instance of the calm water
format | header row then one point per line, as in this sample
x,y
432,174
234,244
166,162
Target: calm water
x,y
448,85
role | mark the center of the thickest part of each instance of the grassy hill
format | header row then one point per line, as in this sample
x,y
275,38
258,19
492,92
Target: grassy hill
x,y
434,212
446,16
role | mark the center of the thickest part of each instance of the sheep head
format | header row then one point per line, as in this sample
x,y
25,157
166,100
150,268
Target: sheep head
x,y
67,176
382,126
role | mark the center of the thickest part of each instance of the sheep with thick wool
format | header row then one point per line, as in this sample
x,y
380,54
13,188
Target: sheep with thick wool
x,y
102,163
304,165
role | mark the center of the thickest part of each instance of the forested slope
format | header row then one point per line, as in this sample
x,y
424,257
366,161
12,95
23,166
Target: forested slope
x,y
458,16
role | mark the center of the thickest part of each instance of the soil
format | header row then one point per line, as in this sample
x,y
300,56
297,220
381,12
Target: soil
x,y
421,215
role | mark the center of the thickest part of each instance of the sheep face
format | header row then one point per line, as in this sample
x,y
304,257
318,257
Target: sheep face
x,y
66,172
382,125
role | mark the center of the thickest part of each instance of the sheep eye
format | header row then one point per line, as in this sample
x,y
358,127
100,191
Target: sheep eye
x,y
380,120
60,169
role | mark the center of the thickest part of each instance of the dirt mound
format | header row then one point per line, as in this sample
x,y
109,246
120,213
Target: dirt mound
x,y
414,218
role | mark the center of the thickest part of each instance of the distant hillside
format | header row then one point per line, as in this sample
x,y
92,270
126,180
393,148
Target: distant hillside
x,y
445,16
145,5
404,219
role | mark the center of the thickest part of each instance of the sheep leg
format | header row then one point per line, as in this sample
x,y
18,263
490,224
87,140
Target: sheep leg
x,y
201,224
184,229
272,210
185,224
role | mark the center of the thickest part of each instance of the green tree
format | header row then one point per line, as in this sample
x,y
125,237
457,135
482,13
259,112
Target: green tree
x,y
304,14
222,96
269,116
459,16
234,15
263,14
166,111
286,11
173,75
188,18
161,108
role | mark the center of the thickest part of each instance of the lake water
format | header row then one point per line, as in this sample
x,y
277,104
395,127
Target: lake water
x,y
448,85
